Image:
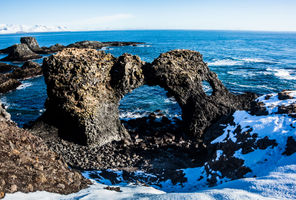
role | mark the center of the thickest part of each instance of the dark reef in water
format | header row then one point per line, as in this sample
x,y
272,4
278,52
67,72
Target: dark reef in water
x,y
30,49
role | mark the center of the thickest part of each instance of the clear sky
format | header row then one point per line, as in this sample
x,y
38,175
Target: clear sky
x,y
277,15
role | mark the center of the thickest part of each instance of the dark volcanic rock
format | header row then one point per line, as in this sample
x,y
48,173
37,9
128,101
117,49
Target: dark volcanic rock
x,y
7,83
27,165
87,44
31,42
6,67
81,97
290,147
28,70
181,73
85,86
21,52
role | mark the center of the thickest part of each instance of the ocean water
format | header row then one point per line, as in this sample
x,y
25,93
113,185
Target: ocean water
x,y
260,62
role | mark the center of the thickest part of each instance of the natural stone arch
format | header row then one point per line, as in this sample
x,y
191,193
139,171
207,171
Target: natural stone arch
x,y
181,72
85,86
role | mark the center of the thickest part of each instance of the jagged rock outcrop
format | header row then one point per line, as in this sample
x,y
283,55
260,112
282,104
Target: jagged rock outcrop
x,y
21,52
31,42
85,86
28,70
11,81
81,100
27,165
181,73
7,83
4,68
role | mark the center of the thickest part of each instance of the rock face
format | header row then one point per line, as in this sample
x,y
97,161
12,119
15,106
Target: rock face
x,y
27,165
85,86
21,52
31,42
81,100
181,73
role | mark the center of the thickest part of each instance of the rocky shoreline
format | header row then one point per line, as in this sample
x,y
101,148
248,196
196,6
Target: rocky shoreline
x,y
81,123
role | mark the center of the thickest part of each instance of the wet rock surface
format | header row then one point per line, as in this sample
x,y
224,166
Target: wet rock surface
x,y
4,68
28,70
7,84
27,165
11,81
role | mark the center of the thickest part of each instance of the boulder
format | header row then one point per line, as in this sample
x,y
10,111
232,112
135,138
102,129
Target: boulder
x,y
84,87
28,70
7,83
21,52
4,68
31,42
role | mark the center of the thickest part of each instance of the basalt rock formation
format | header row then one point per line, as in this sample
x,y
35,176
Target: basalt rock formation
x,y
27,165
20,52
31,42
85,86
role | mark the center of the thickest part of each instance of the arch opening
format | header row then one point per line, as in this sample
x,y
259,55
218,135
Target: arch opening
x,y
207,88
145,100
148,109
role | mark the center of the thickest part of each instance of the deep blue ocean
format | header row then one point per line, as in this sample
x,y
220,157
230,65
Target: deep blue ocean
x,y
260,62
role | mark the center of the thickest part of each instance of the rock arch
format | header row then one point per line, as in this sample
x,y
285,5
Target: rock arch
x,y
84,87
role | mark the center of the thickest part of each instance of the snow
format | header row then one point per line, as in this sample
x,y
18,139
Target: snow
x,y
272,176
13,28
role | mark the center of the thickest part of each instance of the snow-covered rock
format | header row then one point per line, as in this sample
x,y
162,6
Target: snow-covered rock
x,y
260,148
13,28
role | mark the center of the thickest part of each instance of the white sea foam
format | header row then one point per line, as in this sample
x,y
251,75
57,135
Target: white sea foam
x,y
257,60
132,115
225,62
283,73
239,61
143,45
23,86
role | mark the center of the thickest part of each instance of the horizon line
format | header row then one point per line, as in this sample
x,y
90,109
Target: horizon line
x,y
156,29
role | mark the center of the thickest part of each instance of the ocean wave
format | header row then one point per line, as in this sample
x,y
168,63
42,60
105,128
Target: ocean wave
x,y
283,73
132,115
225,62
106,48
23,86
143,45
239,61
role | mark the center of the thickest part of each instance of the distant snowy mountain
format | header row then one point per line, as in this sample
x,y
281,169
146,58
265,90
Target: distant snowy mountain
x,y
13,28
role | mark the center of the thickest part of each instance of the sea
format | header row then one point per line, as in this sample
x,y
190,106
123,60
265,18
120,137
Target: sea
x,y
245,61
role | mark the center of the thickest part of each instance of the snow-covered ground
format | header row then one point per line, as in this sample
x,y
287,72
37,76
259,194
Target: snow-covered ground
x,y
13,28
272,174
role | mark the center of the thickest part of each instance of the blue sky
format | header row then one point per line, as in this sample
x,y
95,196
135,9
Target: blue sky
x,y
277,15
